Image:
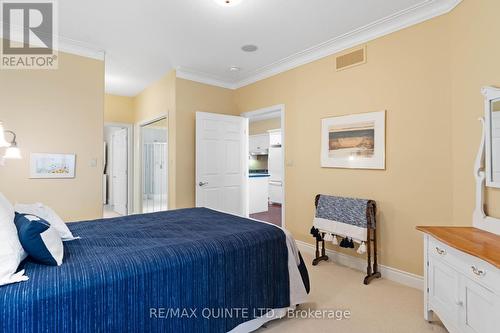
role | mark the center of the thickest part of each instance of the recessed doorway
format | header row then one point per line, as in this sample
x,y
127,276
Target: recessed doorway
x,y
154,165
266,173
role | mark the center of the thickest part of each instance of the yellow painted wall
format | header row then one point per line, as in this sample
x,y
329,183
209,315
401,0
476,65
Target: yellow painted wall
x,y
56,111
155,101
408,75
118,109
262,126
475,62
191,97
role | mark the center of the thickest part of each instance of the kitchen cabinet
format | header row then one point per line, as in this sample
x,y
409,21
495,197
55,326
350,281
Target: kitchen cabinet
x,y
275,166
275,137
258,193
258,143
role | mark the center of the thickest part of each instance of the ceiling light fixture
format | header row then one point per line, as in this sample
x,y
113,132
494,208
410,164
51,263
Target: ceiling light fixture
x,y
228,3
249,48
234,69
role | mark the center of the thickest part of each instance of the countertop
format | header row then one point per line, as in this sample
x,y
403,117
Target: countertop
x,y
476,242
258,175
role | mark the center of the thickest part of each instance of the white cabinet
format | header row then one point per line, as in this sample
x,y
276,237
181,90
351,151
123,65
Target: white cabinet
x,y
258,143
275,166
444,284
258,194
275,137
478,302
276,192
463,290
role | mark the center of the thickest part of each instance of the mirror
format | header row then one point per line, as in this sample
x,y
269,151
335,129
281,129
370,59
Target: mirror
x,y
487,164
492,117
494,172
495,142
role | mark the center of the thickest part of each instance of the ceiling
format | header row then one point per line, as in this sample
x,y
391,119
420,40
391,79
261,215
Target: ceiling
x,y
145,39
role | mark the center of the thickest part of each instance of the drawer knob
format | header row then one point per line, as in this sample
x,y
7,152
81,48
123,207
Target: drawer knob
x,y
459,303
440,251
477,271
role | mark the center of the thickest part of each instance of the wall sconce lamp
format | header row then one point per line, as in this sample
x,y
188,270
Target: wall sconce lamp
x,y
12,151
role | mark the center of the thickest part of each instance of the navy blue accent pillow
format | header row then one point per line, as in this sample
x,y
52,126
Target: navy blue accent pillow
x,y
39,239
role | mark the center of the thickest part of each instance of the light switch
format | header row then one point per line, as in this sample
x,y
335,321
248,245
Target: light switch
x,y
93,163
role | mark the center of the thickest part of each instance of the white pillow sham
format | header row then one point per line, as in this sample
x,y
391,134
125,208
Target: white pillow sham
x,y
11,251
49,215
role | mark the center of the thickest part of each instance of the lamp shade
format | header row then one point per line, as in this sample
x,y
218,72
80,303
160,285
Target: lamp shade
x,y
3,142
12,153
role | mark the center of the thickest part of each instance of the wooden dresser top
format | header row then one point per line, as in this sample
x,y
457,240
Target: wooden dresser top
x,y
476,242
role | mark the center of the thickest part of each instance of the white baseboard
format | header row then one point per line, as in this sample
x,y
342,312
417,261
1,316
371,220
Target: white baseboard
x,y
389,273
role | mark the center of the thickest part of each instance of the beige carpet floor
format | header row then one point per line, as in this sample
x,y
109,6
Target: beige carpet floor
x,y
382,307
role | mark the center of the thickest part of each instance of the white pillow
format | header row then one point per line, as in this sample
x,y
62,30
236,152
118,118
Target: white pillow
x,y
11,251
48,215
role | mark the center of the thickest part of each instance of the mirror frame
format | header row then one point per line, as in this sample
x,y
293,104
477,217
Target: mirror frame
x,y
480,219
490,95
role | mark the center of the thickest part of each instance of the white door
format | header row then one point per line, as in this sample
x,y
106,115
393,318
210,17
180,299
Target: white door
x,y
477,303
444,286
119,171
221,162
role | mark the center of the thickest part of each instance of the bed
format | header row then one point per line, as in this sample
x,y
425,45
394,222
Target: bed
x,y
188,270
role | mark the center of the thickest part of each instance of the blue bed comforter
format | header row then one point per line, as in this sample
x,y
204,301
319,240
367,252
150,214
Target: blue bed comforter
x,y
132,274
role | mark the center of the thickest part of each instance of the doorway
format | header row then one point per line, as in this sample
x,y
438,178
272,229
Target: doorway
x,y
266,164
154,165
117,175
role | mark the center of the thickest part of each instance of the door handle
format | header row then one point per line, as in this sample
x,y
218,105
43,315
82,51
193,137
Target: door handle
x,y
202,184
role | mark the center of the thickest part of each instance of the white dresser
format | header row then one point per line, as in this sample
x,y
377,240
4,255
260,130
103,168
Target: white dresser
x,y
462,278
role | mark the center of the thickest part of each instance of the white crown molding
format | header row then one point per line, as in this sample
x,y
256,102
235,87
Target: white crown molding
x,y
193,75
81,49
389,273
424,11
65,45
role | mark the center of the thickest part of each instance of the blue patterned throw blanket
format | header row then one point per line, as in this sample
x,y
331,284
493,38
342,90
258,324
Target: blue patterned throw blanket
x,y
346,217
154,273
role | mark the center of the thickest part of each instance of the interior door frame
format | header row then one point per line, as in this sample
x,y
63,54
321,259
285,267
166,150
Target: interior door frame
x,y
269,113
130,162
140,127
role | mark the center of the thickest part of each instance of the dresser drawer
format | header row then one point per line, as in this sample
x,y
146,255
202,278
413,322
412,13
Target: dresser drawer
x,y
473,268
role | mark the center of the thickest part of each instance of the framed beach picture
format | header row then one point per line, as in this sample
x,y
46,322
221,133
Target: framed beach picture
x,y
52,165
354,141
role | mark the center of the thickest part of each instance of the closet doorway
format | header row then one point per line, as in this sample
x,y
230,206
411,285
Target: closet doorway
x,y
154,165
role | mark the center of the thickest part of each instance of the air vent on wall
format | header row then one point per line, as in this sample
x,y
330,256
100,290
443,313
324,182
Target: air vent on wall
x,y
351,58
